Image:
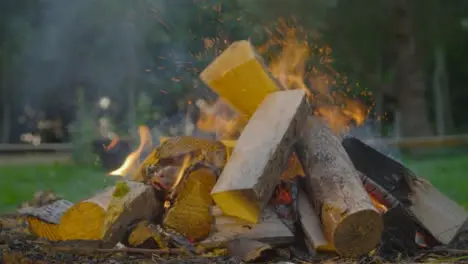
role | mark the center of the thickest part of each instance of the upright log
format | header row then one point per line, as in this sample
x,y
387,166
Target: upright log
x,y
350,221
261,155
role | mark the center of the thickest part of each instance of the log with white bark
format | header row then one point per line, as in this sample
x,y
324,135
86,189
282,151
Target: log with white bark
x,y
350,220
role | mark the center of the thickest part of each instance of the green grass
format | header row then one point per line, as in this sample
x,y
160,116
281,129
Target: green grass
x,y
19,183
449,174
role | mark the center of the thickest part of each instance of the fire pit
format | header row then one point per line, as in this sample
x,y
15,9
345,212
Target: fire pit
x,y
292,187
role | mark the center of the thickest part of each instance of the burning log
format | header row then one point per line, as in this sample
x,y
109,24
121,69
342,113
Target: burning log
x,y
240,77
261,155
174,150
106,215
441,216
350,221
191,213
311,225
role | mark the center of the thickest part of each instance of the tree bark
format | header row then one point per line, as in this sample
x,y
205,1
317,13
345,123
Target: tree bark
x,y
410,85
443,113
350,220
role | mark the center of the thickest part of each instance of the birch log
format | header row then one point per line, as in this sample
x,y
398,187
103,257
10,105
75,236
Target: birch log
x,y
350,221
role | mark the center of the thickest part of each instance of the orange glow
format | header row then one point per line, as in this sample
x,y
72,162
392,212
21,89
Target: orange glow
x,y
132,160
379,206
112,144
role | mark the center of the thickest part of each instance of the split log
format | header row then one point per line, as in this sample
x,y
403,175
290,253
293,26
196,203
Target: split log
x,y
190,214
247,249
43,221
270,229
351,222
106,215
311,225
438,214
261,155
240,77
441,216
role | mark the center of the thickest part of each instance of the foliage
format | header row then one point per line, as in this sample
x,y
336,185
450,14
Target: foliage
x,y
157,48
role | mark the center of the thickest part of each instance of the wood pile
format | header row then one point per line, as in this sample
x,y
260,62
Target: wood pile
x,y
289,184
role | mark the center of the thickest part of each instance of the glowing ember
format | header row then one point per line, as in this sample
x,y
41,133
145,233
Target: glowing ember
x,y
379,206
132,160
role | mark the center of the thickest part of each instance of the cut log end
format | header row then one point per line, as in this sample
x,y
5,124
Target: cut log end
x,y
72,225
358,233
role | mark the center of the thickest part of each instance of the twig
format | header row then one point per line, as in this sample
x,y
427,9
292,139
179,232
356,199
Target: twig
x,y
121,250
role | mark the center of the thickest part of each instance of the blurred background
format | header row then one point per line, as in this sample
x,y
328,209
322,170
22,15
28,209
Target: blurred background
x,y
76,76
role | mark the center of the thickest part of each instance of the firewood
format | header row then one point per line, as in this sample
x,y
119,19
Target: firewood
x,y
191,213
43,221
441,216
247,249
311,224
240,77
350,221
261,155
106,215
270,229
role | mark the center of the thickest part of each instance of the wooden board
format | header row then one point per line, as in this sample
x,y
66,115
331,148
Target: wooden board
x,y
311,225
261,155
441,216
270,229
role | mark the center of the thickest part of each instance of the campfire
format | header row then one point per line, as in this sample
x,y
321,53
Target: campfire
x,y
281,176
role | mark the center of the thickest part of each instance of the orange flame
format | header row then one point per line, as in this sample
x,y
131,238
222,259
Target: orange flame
x,y
132,160
290,68
112,144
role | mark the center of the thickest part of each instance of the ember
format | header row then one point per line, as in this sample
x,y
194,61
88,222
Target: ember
x,y
279,170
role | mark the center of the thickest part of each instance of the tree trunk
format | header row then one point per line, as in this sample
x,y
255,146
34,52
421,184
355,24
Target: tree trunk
x,y
410,84
6,120
441,97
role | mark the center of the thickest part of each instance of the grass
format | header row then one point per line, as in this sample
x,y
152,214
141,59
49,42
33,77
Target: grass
x,y
449,174
19,183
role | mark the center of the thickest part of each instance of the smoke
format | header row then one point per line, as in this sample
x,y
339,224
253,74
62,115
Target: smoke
x,y
109,48
369,132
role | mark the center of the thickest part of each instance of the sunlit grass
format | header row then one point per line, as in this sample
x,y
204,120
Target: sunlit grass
x,y
449,174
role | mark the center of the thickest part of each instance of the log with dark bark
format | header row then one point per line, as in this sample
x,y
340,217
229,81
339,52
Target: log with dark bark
x,y
350,221
441,216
